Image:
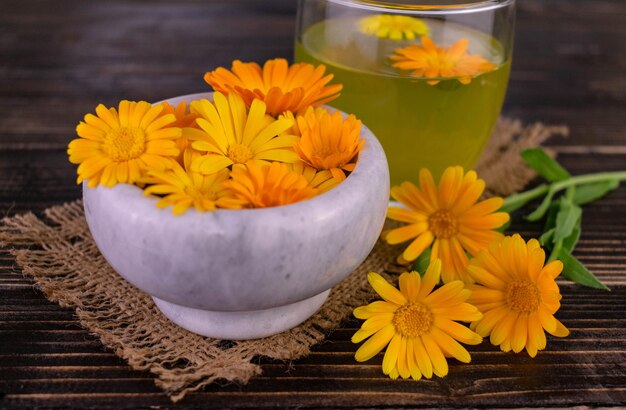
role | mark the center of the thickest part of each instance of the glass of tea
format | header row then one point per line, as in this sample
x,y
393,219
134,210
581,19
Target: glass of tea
x,y
428,77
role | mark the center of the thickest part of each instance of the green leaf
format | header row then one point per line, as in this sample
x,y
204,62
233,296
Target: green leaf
x,y
569,214
538,213
551,218
421,263
545,165
547,238
570,242
577,272
590,192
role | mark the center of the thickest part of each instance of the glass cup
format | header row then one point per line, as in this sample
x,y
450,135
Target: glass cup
x,y
427,77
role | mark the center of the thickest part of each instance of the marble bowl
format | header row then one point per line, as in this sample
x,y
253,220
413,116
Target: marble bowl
x,y
242,274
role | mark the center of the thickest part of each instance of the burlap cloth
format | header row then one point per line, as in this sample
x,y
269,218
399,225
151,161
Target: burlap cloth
x,y
57,251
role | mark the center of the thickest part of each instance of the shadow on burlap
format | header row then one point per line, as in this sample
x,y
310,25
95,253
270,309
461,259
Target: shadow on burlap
x,y
57,251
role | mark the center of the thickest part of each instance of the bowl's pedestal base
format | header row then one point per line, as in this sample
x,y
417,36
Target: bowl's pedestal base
x,y
243,325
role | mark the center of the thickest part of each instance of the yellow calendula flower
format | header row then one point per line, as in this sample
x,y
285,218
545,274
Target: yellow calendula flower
x,y
181,188
184,119
322,180
393,27
437,62
447,216
119,145
418,325
328,142
281,86
229,134
269,185
517,295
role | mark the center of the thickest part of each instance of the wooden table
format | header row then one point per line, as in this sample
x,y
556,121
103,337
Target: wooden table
x,y
59,59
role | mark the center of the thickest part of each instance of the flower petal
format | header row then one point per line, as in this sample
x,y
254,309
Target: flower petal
x,y
560,331
421,357
409,284
440,365
430,279
411,361
391,354
415,249
385,289
450,346
405,233
375,344
405,215
403,365
458,331
520,333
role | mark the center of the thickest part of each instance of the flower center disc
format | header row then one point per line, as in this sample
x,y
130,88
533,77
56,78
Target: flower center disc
x,y
523,297
124,143
239,153
413,320
443,224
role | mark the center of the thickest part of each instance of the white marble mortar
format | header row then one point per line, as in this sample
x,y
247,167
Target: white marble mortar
x,y
242,274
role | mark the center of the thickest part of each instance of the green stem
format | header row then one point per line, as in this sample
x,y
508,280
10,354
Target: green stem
x,y
589,179
516,201
556,250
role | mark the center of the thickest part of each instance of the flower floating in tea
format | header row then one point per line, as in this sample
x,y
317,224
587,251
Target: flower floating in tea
x,y
517,295
418,325
118,146
449,217
269,185
393,27
437,62
328,142
282,87
229,133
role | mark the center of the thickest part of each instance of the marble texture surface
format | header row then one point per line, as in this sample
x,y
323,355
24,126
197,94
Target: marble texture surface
x,y
242,260
250,324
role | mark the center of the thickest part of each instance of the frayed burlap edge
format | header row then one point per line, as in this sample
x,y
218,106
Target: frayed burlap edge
x,y
57,251
501,165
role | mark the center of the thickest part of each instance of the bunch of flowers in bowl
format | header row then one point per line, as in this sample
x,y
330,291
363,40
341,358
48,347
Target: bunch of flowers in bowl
x,y
236,210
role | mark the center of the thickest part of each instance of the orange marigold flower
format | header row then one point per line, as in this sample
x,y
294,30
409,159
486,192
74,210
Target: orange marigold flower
x,y
517,295
432,61
269,185
322,180
447,216
184,119
119,145
282,87
328,142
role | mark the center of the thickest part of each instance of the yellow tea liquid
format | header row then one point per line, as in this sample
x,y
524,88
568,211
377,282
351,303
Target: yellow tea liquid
x,y
418,124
